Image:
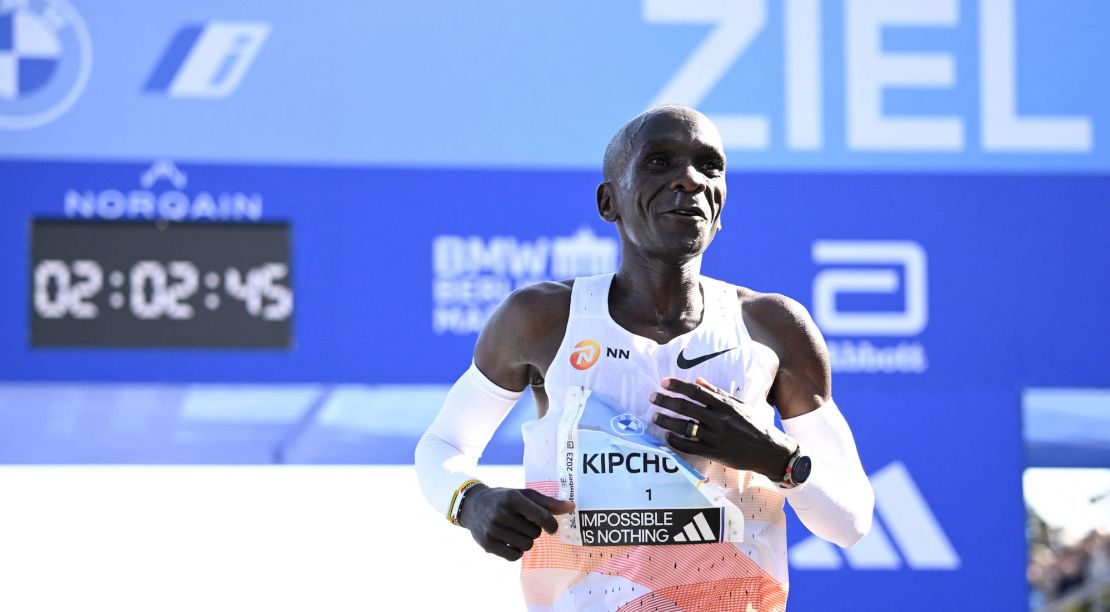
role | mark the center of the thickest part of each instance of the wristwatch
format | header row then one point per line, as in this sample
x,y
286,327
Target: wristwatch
x,y
798,467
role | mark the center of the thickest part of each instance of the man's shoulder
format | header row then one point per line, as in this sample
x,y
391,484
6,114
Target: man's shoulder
x,y
785,326
769,304
525,330
781,323
542,301
772,309
531,312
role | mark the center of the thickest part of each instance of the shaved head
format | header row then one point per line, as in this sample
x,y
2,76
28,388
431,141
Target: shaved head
x,y
664,184
616,154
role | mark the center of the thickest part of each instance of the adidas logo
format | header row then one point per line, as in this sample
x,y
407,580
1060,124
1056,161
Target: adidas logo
x,y
914,529
697,530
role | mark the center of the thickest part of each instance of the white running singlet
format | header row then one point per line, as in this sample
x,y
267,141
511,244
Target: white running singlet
x,y
698,568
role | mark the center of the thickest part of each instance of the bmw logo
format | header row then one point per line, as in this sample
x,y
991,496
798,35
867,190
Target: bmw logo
x,y
627,425
45,61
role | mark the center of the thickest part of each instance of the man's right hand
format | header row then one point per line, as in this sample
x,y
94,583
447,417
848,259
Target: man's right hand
x,y
505,522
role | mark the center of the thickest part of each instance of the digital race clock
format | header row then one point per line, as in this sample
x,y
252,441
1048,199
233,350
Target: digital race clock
x,y
160,284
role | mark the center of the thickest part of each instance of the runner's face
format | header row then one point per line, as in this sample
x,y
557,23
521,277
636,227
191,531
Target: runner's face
x,y
670,197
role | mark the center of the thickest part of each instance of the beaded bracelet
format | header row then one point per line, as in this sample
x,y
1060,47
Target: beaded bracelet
x,y
456,500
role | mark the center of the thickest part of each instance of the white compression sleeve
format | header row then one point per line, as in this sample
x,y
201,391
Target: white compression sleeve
x,y
449,451
837,501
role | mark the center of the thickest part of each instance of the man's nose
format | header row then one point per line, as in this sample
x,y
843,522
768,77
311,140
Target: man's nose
x,y
690,181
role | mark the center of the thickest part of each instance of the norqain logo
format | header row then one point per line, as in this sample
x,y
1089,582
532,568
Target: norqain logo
x,y
161,194
875,268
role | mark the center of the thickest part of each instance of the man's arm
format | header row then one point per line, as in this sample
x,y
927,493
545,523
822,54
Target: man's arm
x,y
518,335
803,382
837,501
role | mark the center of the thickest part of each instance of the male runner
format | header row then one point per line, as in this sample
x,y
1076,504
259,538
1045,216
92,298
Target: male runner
x,y
692,362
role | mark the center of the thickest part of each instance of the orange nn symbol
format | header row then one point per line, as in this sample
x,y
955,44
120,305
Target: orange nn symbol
x,y
585,354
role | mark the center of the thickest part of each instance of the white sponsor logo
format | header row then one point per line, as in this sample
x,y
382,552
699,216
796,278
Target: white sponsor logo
x,y
697,530
627,424
913,531
161,195
472,274
45,61
870,71
209,60
892,268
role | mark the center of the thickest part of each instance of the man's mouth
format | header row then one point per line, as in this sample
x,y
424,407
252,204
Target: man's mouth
x,y
688,212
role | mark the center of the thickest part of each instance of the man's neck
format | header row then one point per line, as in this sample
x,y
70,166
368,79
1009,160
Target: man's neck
x,y
656,299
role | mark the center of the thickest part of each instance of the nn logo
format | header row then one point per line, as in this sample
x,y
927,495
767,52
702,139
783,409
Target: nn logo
x,y
207,60
586,353
913,531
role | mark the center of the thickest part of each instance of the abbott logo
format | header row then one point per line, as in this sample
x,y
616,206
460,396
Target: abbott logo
x,y
875,268
913,528
208,60
830,283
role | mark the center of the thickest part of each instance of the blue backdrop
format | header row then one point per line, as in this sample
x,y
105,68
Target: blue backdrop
x,y
430,157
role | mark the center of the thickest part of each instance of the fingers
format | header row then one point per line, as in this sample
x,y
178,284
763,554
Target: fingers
x,y
701,382
535,506
696,392
681,444
506,522
495,546
552,505
674,424
522,525
681,406
510,537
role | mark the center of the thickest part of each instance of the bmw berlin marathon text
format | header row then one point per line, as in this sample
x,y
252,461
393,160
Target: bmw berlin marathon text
x,y
472,274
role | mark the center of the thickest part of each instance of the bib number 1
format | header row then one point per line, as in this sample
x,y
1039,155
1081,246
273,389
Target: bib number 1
x,y
606,458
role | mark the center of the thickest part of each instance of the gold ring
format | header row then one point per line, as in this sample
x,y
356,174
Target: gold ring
x,y
691,429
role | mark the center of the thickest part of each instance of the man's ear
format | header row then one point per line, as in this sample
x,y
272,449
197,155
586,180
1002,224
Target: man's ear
x,y
605,206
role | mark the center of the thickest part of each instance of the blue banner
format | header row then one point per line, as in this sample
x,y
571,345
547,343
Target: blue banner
x,y
396,270
801,84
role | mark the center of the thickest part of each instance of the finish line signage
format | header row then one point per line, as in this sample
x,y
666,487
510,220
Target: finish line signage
x,y
950,85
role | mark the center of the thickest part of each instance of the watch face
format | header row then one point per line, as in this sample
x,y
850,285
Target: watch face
x,y
801,469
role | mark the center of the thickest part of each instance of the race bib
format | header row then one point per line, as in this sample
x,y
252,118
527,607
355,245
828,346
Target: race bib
x,y
627,488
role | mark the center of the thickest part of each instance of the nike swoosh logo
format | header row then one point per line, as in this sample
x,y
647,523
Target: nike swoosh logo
x,y
686,364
